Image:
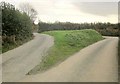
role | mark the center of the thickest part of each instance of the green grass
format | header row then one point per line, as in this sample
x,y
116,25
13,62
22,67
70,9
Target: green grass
x,y
66,43
9,46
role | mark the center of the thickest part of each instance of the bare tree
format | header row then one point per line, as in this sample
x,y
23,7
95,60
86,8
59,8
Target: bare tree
x,y
29,10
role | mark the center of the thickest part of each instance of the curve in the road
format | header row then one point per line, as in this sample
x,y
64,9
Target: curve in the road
x,y
17,62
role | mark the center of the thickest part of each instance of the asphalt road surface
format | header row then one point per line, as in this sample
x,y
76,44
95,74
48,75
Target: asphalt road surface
x,y
18,62
95,63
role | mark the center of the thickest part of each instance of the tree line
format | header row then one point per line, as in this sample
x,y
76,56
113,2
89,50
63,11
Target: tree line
x,y
103,28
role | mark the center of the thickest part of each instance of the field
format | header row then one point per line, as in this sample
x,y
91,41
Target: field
x,y
66,43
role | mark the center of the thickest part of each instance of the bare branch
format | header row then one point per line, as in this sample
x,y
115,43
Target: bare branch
x,y
29,10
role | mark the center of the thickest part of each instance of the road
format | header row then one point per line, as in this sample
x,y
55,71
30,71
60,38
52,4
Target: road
x,y
18,62
95,63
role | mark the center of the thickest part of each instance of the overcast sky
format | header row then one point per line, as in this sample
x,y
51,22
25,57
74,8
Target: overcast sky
x,y
77,11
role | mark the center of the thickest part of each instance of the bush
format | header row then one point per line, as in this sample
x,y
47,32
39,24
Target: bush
x,y
16,26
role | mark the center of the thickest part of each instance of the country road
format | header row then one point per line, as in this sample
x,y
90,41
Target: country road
x,y
17,62
95,63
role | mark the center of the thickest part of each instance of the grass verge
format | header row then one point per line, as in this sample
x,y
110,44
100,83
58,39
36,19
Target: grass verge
x,y
9,46
66,44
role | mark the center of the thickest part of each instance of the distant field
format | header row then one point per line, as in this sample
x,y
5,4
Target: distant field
x,y
66,44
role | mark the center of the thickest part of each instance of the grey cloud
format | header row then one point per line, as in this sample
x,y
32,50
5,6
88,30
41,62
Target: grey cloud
x,y
98,8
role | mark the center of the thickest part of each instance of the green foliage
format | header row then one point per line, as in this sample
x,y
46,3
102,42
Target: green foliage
x,y
16,26
103,28
66,44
